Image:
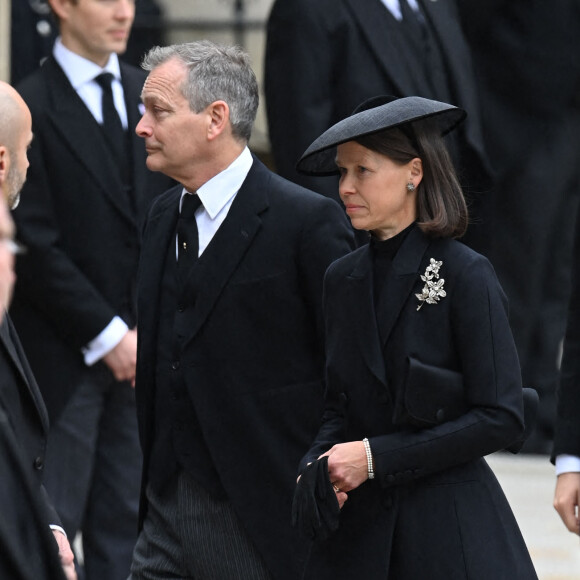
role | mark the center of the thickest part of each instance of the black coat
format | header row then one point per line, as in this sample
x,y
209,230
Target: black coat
x,y
26,413
82,234
434,389
252,356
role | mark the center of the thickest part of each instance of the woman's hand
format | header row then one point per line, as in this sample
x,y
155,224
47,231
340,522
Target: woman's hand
x,y
347,467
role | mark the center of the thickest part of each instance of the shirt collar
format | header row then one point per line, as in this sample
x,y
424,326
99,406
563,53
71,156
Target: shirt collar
x,y
394,7
80,70
219,190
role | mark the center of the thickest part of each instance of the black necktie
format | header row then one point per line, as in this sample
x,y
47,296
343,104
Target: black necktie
x,y
187,235
413,20
112,126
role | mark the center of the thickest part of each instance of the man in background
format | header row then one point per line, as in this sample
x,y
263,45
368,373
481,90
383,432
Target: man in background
x,y
80,217
525,57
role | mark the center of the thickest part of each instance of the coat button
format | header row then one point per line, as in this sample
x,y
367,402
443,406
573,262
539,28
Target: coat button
x,y
38,463
175,365
440,416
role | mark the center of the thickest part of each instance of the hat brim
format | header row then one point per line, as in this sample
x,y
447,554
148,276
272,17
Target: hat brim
x,y
319,158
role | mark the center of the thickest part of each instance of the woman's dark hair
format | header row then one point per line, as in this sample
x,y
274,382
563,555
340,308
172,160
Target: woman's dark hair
x,y
441,208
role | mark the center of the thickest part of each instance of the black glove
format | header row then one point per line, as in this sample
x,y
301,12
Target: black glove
x,y
315,509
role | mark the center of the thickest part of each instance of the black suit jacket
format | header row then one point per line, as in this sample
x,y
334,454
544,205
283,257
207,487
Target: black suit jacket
x,y
252,356
433,495
80,228
324,57
531,118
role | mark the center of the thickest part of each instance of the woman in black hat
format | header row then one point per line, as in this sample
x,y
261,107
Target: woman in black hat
x,y
423,378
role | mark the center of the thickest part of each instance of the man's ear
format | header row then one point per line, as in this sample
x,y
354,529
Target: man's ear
x,y
219,114
4,164
61,8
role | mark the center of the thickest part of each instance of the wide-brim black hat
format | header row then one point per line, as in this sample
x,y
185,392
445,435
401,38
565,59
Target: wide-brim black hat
x,y
372,116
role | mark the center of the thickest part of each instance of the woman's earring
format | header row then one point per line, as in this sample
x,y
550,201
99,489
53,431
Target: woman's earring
x,y
410,186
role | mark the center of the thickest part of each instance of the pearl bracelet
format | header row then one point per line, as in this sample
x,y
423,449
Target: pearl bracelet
x,y
369,458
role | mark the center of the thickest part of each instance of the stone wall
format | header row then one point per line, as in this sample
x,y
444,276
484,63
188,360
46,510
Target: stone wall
x,y
188,20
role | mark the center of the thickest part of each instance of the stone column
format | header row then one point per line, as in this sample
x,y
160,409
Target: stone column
x,y
5,40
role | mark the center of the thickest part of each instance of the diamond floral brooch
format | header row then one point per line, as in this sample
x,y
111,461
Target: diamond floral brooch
x,y
433,290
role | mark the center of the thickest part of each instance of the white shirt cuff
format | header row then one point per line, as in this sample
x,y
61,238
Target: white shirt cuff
x,y
107,340
56,528
567,464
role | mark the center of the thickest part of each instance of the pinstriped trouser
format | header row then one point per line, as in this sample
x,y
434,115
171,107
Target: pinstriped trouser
x,y
190,535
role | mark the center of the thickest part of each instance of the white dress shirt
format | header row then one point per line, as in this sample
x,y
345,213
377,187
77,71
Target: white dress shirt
x,y
82,72
567,464
394,7
217,196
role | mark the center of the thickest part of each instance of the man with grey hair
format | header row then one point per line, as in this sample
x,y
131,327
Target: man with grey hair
x,y
230,360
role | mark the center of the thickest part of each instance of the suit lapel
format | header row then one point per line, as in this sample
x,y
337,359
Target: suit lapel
x,y
359,290
228,247
81,132
132,85
14,351
458,62
383,34
401,280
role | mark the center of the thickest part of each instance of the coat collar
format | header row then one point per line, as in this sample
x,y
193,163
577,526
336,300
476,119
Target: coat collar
x,y
228,246
402,278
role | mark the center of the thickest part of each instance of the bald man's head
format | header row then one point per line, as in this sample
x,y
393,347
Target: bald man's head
x,y
15,137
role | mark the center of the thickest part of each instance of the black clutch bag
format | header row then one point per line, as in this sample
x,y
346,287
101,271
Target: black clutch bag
x,y
433,395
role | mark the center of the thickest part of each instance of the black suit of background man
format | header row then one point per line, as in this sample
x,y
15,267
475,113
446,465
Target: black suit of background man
x,y
80,227
526,59
324,58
